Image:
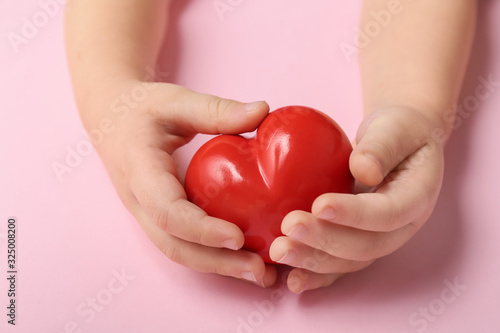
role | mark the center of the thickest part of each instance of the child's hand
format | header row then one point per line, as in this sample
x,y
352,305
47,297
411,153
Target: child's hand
x,y
109,54
138,157
396,155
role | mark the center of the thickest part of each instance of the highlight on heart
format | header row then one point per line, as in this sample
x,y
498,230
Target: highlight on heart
x,y
297,154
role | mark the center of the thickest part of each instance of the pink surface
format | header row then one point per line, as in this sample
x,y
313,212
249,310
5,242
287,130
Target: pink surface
x,y
75,237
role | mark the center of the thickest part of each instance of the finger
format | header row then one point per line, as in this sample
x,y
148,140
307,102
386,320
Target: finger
x,y
202,113
340,241
157,189
367,211
239,264
288,251
269,278
300,280
382,143
404,197
344,242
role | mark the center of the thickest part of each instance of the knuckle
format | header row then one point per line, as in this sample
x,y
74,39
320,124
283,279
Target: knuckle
x,y
333,247
221,269
368,253
381,244
181,220
161,218
328,244
395,216
350,266
172,252
370,249
216,108
394,221
203,235
167,217
384,151
357,218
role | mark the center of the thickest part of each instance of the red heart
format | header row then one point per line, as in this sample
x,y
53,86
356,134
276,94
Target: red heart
x,y
297,154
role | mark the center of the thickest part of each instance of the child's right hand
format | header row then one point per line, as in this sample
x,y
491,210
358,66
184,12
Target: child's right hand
x,y
138,157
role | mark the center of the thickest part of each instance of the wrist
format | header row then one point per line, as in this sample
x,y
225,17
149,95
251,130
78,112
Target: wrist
x,y
438,122
107,98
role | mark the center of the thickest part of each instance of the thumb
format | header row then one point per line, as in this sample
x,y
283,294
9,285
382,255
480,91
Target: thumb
x,y
208,114
384,139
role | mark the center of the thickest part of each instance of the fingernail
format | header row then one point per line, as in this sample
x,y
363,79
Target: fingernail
x,y
304,288
288,258
298,232
250,276
230,244
251,106
327,214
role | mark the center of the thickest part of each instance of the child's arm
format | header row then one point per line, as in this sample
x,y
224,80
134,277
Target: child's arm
x,y
112,46
412,72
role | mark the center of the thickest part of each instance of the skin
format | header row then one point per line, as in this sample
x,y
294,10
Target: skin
x,y
411,75
397,160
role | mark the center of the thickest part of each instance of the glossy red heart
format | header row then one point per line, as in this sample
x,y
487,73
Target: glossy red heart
x,y
297,154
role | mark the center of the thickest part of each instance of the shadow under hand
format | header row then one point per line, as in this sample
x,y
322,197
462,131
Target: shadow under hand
x,y
436,251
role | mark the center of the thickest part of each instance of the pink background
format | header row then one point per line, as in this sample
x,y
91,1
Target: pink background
x,y
74,235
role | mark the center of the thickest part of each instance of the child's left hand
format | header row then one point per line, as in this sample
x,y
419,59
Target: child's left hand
x,y
400,157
